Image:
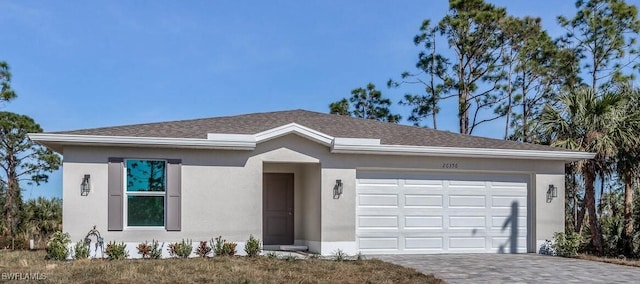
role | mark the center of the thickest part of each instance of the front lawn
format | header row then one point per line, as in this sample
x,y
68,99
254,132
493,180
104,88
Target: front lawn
x,y
218,269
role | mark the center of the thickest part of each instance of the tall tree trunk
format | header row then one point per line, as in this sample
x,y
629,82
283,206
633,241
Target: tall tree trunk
x,y
509,101
580,218
525,116
590,204
463,96
434,102
13,188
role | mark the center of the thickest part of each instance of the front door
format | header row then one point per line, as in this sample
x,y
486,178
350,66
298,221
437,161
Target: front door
x,y
277,206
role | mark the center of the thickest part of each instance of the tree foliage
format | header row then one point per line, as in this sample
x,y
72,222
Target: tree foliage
x,y
21,160
6,93
603,34
367,103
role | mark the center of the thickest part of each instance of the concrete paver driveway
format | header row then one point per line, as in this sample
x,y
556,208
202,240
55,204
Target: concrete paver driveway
x,y
515,268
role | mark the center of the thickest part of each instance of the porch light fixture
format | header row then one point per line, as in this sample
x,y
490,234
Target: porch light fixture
x,y
85,186
552,192
337,189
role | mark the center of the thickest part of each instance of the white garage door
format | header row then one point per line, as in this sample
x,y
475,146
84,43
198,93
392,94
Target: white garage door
x,y
403,213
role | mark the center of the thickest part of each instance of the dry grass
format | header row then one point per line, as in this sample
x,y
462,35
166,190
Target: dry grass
x,y
620,261
218,270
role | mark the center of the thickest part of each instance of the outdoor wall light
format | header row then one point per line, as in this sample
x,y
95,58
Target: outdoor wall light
x,y
552,192
337,189
85,186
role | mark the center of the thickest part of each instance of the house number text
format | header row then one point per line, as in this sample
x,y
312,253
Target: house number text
x,y
449,165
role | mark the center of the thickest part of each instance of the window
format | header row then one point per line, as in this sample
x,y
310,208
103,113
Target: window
x,y
146,187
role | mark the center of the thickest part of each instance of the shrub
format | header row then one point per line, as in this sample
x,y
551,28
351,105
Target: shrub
x,y
181,250
81,250
58,246
151,251
223,248
252,247
203,249
566,244
360,256
229,248
339,255
116,251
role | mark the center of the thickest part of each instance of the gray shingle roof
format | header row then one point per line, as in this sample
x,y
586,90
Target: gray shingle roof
x,y
334,125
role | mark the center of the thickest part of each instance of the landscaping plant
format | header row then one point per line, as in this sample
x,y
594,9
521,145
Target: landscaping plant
x,y
203,249
566,244
181,250
58,246
150,251
116,251
81,250
223,248
252,247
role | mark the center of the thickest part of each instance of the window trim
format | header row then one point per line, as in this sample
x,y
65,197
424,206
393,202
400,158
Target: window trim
x,y
127,193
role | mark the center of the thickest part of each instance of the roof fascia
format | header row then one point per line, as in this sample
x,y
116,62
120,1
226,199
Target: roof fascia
x,y
460,152
99,140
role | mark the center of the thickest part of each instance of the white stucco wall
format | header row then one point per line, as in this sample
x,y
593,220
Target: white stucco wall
x,y
222,190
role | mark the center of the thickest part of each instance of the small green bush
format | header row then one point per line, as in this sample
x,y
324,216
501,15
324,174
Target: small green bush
x,y
203,249
116,251
252,247
58,246
81,250
151,250
223,248
566,244
229,248
339,255
181,250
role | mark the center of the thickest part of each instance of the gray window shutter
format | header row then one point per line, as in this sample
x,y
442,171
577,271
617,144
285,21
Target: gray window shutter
x,y
115,191
174,190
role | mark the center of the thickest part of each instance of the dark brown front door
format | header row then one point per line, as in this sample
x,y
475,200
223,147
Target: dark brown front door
x,y
277,207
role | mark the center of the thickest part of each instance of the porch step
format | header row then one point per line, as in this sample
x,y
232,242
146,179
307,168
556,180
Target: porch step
x,y
294,248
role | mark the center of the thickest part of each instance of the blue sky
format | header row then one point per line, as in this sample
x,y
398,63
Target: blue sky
x,y
85,64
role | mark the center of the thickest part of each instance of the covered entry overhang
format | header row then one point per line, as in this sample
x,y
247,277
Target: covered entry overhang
x,y
291,205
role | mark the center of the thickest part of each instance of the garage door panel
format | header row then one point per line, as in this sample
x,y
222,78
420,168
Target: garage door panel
x,y
467,222
423,222
507,201
423,243
389,200
377,182
378,243
467,201
499,222
465,184
378,222
422,183
423,200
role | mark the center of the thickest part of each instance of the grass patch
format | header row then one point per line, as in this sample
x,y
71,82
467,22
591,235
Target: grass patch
x,y
217,269
620,261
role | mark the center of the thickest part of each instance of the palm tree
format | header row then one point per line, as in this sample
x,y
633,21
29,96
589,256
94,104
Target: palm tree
x,y
586,121
628,161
